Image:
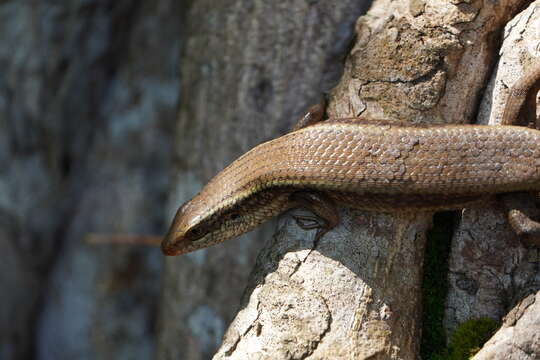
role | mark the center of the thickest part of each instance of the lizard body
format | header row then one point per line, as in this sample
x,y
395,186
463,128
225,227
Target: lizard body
x,y
362,164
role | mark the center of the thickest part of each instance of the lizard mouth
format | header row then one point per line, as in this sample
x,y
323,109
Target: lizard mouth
x,y
178,249
174,244
169,245
169,250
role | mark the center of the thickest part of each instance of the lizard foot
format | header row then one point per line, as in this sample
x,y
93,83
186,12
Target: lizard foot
x,y
325,214
314,115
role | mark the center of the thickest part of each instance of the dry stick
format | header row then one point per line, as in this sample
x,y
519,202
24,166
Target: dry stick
x,y
124,239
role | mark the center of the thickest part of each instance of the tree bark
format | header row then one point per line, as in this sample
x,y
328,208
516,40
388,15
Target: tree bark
x,y
249,70
519,336
356,294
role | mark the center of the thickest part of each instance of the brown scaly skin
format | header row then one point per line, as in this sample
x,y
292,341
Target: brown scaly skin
x,y
367,165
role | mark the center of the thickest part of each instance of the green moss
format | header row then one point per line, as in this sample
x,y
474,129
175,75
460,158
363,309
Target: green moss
x,y
467,340
435,285
469,337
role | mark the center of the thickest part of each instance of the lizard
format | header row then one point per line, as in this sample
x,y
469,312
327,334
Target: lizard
x,y
372,165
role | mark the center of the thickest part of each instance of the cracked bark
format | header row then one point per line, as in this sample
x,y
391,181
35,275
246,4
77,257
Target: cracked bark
x,y
357,293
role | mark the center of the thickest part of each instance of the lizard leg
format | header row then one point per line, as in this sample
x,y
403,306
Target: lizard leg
x,y
519,206
326,215
522,98
314,115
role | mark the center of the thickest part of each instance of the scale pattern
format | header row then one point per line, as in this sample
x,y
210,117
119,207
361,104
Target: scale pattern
x,y
387,160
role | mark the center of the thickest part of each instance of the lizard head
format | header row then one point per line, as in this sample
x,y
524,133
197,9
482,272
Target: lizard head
x,y
197,225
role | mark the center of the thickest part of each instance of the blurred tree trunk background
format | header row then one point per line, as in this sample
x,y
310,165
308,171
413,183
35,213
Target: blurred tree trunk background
x,y
88,97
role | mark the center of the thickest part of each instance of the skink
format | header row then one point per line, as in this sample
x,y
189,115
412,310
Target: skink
x,y
362,164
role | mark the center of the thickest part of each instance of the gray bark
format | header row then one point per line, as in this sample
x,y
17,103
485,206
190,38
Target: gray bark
x,y
490,268
519,336
85,118
249,70
356,294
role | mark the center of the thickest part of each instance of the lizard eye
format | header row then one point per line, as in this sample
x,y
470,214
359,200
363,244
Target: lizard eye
x,y
196,233
234,216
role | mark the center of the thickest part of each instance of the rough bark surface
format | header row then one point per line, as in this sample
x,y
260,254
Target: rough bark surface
x,y
519,336
490,268
85,146
356,294
337,302
249,70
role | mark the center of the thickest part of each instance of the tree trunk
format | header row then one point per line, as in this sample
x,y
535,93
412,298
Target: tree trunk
x,y
249,70
85,146
356,294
